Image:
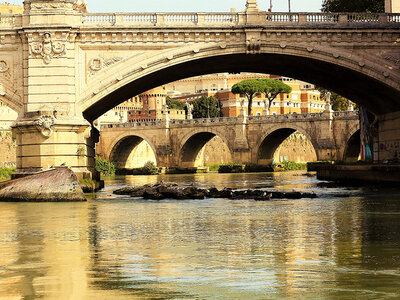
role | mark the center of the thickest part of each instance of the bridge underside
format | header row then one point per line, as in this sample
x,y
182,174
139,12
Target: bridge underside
x,y
352,151
271,143
192,148
123,150
364,90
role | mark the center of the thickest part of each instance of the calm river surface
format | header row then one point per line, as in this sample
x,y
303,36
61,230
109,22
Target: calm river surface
x,y
343,245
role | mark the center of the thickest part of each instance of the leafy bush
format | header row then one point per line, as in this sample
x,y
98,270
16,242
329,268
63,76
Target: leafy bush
x,y
104,166
232,168
293,166
5,173
149,168
213,167
253,168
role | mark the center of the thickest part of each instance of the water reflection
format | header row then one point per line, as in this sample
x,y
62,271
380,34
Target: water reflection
x,y
115,247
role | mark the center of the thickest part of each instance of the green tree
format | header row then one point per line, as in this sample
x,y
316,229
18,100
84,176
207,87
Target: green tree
x,y
205,107
175,104
372,6
339,103
272,88
250,88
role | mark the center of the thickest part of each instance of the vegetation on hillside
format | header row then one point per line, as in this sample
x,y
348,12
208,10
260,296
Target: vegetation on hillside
x,y
175,104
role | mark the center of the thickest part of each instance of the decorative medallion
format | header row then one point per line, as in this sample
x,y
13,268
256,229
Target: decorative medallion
x,y
98,63
47,49
4,69
3,66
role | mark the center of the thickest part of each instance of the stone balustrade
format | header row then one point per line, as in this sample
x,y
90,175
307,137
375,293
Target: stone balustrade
x,y
7,21
218,19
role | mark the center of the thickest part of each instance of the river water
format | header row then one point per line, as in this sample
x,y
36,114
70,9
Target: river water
x,y
343,245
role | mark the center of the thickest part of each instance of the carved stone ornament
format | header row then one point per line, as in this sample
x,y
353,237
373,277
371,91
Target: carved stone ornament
x,y
4,69
80,6
98,63
47,49
3,66
50,5
45,125
253,46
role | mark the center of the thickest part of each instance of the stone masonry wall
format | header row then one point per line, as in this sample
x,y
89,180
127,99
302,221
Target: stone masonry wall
x,y
7,149
214,152
296,148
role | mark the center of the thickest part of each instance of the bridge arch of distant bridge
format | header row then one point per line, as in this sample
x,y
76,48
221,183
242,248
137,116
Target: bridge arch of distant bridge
x,y
192,143
270,140
123,145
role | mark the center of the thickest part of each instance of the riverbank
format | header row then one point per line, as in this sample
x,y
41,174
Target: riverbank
x,y
216,168
360,174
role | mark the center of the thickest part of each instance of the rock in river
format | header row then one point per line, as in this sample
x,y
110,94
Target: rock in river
x,y
57,185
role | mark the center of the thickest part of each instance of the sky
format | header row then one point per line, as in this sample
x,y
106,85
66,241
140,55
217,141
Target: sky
x,y
95,6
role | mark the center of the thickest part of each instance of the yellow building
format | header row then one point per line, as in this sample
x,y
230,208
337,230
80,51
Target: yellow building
x,y
10,9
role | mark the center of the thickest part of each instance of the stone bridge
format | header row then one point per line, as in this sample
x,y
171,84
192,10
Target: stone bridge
x,y
250,140
61,68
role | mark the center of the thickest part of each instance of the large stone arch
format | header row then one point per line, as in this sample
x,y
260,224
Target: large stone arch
x,y
361,77
124,144
191,143
269,141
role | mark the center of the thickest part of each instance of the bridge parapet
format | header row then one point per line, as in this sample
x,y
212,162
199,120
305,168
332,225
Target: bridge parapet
x,y
239,19
138,125
204,121
346,114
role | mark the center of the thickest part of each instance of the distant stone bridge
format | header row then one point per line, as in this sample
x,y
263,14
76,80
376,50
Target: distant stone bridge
x,y
250,140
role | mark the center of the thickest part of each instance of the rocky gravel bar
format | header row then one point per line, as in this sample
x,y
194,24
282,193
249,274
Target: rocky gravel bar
x,y
161,191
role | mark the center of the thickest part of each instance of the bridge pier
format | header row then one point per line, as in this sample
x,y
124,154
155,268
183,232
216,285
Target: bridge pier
x,y
387,145
45,141
241,150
